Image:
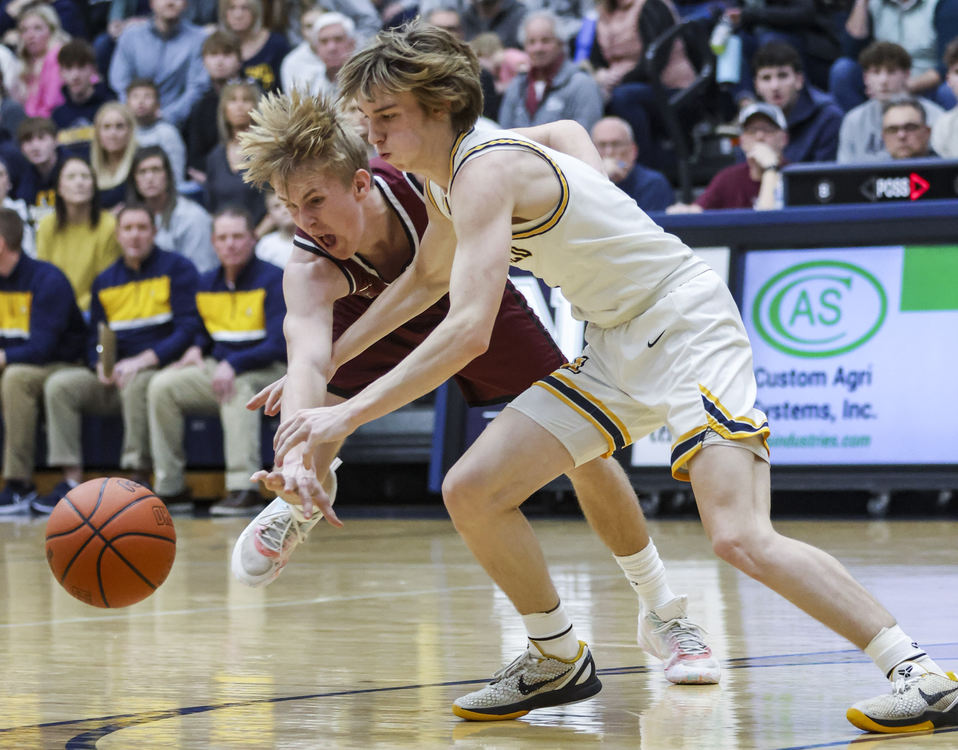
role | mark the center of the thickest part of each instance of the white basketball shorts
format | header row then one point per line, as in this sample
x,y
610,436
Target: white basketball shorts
x,y
685,363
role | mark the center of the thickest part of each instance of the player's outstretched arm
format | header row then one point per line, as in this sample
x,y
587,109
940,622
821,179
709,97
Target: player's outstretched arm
x,y
566,136
483,226
310,286
419,286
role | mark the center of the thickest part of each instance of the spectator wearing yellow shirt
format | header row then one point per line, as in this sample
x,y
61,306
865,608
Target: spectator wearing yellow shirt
x,y
78,237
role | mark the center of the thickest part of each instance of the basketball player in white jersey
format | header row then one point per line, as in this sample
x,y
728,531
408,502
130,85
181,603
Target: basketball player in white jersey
x,y
359,224
666,345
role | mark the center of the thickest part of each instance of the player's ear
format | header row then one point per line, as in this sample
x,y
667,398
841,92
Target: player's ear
x,y
362,182
438,112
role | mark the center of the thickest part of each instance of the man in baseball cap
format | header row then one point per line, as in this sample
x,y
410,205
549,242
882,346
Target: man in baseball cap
x,y
756,182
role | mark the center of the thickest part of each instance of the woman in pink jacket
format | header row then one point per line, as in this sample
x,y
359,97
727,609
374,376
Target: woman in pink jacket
x,y
41,37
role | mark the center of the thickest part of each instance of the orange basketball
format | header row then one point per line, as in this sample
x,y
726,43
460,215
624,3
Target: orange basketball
x,y
110,542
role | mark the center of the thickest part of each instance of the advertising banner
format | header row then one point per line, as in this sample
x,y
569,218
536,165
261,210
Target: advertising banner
x,y
856,352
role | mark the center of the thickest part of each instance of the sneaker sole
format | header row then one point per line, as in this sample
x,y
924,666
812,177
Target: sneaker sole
x,y
930,720
694,672
697,678
867,724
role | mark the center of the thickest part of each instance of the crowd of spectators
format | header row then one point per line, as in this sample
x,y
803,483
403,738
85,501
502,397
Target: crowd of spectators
x,y
830,66
108,105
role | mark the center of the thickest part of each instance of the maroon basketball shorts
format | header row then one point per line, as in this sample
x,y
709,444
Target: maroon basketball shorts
x,y
520,352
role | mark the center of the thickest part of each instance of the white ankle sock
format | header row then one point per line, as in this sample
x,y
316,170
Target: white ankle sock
x,y
552,633
646,573
892,646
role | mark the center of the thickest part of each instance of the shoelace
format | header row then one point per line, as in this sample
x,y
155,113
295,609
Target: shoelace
x,y
902,684
513,666
685,634
277,528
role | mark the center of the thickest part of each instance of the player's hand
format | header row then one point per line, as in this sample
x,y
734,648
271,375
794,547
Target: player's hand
x,y
299,486
312,428
270,398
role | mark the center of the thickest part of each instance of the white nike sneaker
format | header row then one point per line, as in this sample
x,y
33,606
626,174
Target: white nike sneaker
x,y
919,701
667,633
266,544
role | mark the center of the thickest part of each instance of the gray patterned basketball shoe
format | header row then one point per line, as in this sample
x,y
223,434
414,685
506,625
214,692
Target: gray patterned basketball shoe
x,y
532,681
916,703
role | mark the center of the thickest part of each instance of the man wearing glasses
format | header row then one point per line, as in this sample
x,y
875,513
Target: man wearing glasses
x,y
905,131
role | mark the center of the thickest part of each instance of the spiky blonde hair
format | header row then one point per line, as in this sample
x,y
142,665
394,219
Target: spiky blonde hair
x,y
290,131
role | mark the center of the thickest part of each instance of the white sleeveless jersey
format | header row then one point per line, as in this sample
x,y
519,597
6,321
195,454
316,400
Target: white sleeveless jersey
x,y
611,261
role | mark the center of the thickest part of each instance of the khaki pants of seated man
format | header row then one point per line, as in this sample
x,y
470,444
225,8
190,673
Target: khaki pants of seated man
x,y
21,393
176,392
71,392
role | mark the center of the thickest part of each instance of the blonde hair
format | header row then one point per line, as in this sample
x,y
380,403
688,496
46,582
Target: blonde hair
x,y
226,95
98,157
49,16
439,70
254,6
290,130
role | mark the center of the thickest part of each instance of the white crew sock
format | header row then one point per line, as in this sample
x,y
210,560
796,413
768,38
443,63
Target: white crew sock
x,y
552,633
646,573
891,647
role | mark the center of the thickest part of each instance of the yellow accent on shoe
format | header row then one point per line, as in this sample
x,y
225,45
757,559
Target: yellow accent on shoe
x,y
861,721
463,713
573,660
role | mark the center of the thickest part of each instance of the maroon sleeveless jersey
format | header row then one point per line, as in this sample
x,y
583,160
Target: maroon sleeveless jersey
x,y
520,351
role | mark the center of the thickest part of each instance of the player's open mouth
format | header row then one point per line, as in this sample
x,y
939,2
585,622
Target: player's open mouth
x,y
328,241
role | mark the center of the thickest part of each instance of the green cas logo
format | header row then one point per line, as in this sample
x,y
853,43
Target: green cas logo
x,y
820,309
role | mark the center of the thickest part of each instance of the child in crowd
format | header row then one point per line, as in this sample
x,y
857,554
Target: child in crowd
x,y
276,246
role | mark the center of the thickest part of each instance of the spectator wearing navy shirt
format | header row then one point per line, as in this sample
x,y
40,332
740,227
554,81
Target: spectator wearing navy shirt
x,y
42,332
37,137
616,145
240,350
263,50
813,117
83,93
